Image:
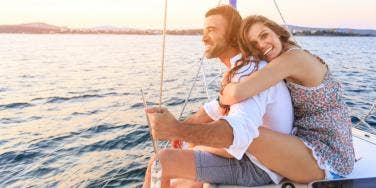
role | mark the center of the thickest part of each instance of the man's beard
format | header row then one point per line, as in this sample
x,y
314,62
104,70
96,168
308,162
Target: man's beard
x,y
217,50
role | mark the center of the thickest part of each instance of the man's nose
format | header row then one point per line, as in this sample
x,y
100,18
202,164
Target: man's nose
x,y
204,37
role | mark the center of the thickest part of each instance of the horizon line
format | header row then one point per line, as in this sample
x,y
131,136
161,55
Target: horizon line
x,y
181,28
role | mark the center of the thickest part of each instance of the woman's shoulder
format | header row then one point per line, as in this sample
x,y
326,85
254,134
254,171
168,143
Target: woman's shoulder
x,y
295,58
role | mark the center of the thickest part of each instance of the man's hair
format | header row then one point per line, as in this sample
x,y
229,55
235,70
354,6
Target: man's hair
x,y
234,21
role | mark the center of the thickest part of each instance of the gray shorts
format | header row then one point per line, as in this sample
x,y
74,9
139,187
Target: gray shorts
x,y
214,169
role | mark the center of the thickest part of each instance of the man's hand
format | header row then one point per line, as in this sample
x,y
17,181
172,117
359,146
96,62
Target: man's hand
x,y
177,144
164,125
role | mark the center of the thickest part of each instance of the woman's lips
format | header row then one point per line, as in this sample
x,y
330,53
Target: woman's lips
x,y
267,51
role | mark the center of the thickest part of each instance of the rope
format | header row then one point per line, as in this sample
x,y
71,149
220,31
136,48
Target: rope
x,y
191,89
163,53
219,2
155,146
284,21
363,120
189,94
204,80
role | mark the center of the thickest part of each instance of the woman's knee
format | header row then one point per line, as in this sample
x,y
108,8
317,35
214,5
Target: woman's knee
x,y
316,175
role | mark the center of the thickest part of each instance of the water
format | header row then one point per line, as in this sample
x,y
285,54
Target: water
x,y
71,112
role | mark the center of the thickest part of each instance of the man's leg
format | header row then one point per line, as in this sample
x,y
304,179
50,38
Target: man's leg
x,y
286,155
175,163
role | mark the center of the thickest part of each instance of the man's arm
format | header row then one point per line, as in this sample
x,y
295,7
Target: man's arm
x,y
199,117
234,132
166,127
214,134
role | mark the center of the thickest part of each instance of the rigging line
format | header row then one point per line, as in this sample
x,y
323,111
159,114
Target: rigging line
x,y
155,146
191,89
363,120
204,80
154,142
189,93
284,21
163,53
214,79
219,2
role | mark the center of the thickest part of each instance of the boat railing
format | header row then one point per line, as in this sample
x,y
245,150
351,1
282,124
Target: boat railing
x,y
361,122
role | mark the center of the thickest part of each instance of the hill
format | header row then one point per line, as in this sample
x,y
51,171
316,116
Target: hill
x,y
43,28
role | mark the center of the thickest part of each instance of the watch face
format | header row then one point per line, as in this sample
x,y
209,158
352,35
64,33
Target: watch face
x,y
346,183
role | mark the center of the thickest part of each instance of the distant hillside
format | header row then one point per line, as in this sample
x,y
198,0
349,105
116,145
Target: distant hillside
x,y
299,30
43,28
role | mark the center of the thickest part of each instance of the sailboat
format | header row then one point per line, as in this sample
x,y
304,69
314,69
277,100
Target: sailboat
x,y
364,140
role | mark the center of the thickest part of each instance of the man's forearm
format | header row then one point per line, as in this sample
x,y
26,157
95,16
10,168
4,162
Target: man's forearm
x,y
199,117
215,134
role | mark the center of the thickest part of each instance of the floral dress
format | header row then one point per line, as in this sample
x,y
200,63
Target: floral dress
x,y
322,122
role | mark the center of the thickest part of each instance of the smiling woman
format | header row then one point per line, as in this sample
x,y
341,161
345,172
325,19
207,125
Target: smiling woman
x,y
318,105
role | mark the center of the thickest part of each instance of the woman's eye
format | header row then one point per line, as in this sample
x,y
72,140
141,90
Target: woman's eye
x,y
263,36
253,45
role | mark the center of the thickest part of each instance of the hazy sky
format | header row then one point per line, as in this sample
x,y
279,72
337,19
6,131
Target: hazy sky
x,y
184,13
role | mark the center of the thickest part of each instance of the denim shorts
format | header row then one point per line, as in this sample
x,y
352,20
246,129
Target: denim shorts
x,y
214,169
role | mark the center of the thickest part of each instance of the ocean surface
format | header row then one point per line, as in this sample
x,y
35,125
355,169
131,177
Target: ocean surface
x,y
71,113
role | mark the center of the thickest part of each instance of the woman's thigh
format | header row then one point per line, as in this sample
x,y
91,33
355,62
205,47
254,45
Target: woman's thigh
x,y
286,155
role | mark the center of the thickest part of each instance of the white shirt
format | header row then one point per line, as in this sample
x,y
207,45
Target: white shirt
x,y
271,108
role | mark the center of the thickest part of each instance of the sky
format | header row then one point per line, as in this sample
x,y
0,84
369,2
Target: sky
x,y
184,14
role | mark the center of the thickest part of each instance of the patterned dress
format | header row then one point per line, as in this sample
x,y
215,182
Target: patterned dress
x,y
323,124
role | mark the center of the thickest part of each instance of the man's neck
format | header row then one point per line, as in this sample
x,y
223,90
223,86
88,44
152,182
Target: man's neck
x,y
227,55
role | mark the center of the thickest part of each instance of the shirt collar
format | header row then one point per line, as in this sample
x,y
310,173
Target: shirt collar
x,y
235,59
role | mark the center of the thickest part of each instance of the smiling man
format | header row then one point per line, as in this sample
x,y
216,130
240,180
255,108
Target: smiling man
x,y
222,140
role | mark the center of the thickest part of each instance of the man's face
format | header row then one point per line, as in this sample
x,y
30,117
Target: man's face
x,y
214,36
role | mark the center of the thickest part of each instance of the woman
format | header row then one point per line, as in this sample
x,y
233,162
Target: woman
x,y
322,146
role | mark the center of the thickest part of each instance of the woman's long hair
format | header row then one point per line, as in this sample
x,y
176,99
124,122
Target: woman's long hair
x,y
246,46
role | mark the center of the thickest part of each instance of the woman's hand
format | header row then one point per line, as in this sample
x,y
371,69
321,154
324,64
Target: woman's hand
x,y
222,109
228,91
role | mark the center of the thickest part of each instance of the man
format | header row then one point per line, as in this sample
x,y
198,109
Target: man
x,y
223,140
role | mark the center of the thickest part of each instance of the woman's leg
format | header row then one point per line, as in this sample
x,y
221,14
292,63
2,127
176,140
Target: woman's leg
x,y
286,155
175,163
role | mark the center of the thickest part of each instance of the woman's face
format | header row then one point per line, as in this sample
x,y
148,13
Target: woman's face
x,y
265,40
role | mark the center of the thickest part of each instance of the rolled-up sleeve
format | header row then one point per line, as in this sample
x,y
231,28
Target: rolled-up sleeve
x,y
245,118
212,109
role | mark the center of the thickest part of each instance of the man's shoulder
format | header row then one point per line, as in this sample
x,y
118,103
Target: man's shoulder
x,y
248,69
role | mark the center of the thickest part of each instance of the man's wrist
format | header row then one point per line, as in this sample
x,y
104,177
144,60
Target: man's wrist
x,y
179,129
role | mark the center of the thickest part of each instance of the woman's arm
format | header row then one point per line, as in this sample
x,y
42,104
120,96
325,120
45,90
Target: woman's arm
x,y
275,71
